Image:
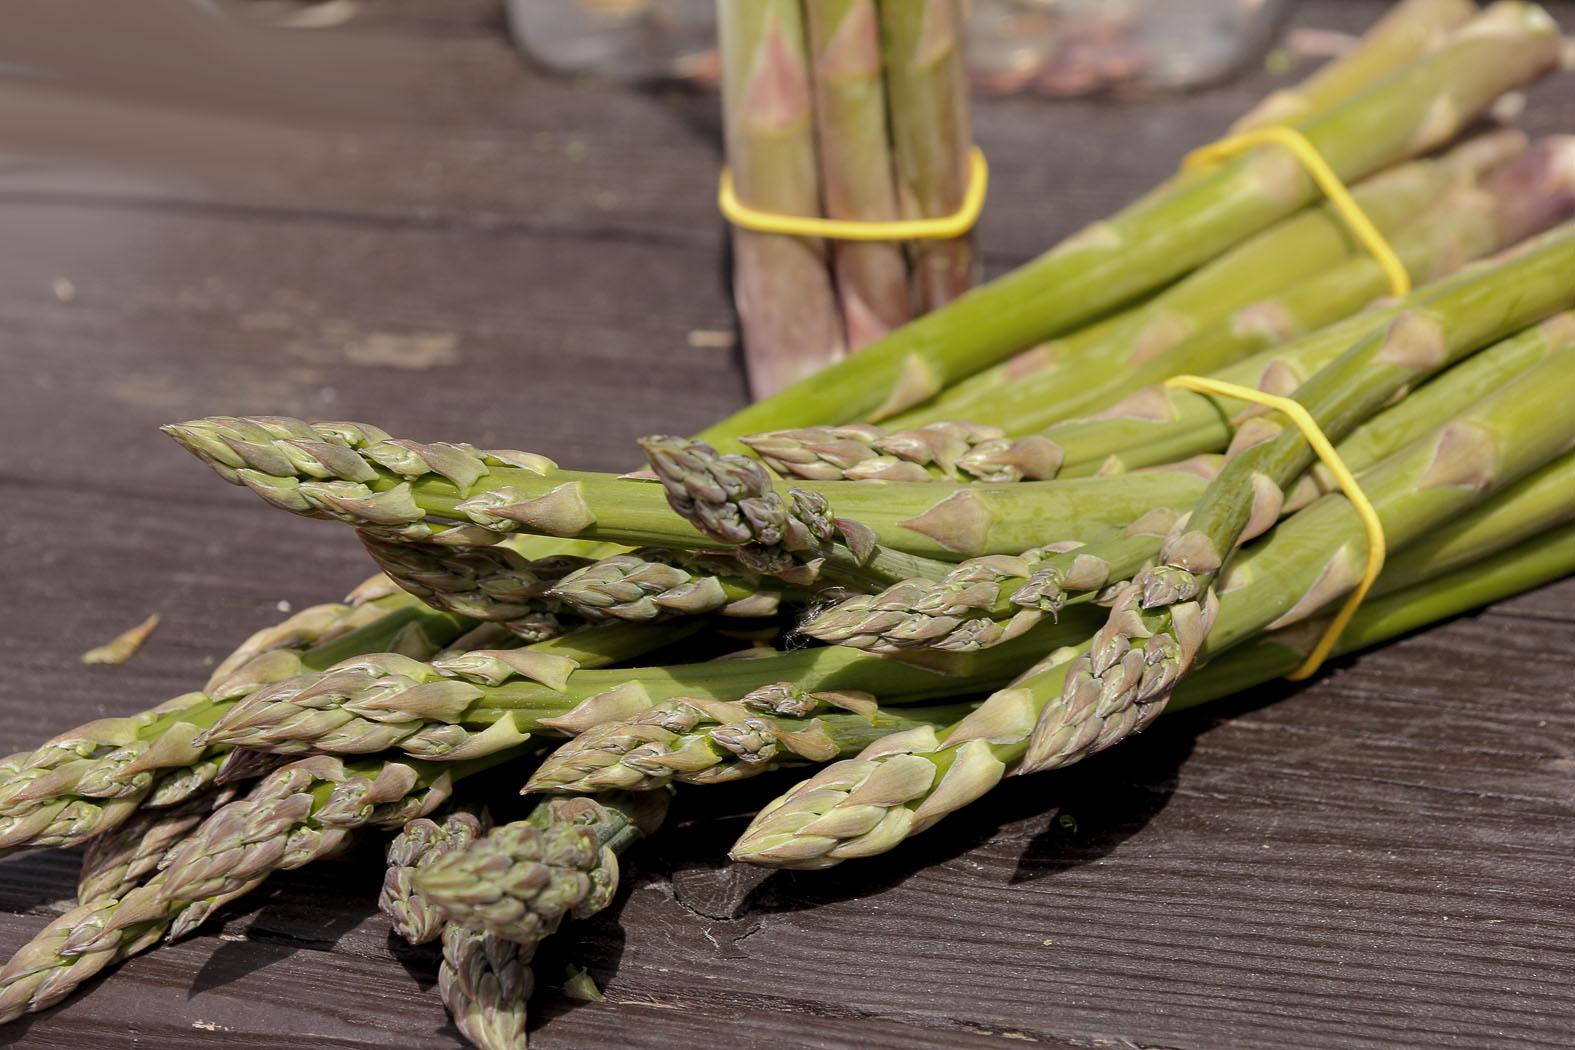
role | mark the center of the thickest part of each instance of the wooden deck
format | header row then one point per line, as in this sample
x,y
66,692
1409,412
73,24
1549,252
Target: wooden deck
x,y
1379,858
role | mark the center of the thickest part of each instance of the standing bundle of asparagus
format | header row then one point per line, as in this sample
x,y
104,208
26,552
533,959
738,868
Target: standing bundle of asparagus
x,y
852,110
928,606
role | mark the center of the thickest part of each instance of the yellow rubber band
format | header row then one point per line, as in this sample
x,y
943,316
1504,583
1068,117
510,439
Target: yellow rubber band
x,y
1376,545
944,227
1340,198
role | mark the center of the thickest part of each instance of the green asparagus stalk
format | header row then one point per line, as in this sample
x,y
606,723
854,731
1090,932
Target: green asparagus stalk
x,y
1176,596
299,813
907,782
495,584
1160,424
1548,557
781,286
1155,241
152,757
476,703
485,983
657,584
522,879
696,741
987,600
927,79
1239,291
1519,198
459,495
118,861
516,885
949,450
320,623
315,625
1408,29
420,843
856,173
884,774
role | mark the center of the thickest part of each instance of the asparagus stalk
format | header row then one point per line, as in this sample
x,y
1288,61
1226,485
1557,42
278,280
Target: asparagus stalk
x,y
781,287
1408,29
458,495
1176,595
419,844
516,885
299,813
656,584
987,600
494,583
485,983
927,78
473,705
153,756
907,782
887,773
1522,197
950,450
521,880
857,180
696,741
1508,544
118,861
315,625
1155,241
1239,290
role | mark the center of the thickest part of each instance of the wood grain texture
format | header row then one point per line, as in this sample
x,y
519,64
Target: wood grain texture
x,y
1379,858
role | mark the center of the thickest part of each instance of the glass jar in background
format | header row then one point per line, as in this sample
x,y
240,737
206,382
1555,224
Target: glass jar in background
x,y
1055,47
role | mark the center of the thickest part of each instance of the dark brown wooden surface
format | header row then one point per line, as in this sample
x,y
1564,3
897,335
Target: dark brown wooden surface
x,y
1380,858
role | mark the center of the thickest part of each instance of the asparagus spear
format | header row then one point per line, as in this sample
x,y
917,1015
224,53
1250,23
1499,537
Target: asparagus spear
x,y
697,741
522,879
485,982
780,284
1153,426
1515,541
657,584
299,813
1408,29
485,583
314,625
472,705
168,761
507,892
458,495
419,844
1155,241
152,756
927,79
320,623
857,180
987,600
118,861
884,774
1515,200
907,782
949,449
1176,595
1238,289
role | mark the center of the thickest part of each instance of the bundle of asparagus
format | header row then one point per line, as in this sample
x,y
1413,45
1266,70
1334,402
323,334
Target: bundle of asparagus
x,y
851,110
905,614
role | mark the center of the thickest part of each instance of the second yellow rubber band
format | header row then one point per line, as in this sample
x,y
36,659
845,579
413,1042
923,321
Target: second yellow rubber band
x,y
1376,545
